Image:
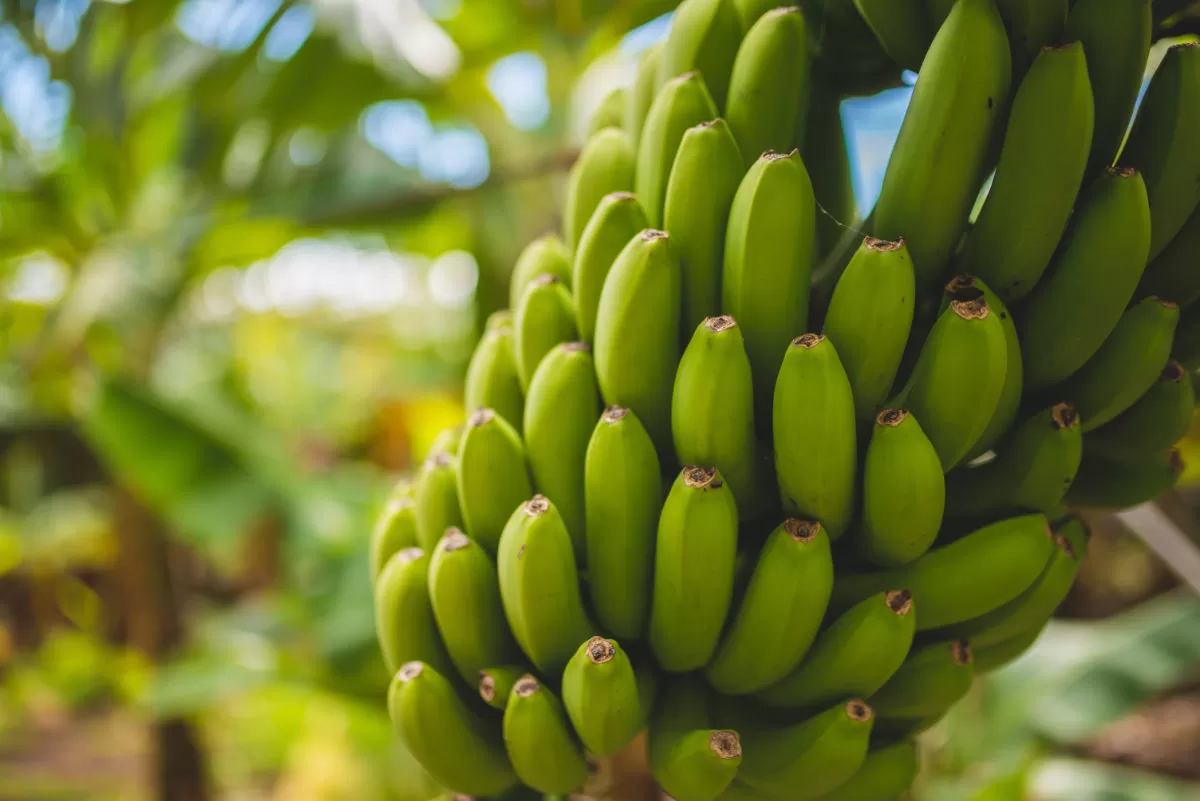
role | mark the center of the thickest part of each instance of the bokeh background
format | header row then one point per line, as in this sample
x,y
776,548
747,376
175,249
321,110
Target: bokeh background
x,y
246,247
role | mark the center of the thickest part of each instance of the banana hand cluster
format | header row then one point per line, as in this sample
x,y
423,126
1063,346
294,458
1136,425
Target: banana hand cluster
x,y
774,484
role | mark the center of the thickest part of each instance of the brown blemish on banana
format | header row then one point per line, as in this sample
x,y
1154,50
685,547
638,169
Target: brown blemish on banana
x,y
698,477
801,530
454,540
1063,415
808,341
1174,372
772,155
487,686
536,506
651,235
725,744
614,414
622,195
976,309
480,417
892,417
576,347
526,686
1122,172
858,710
411,670
899,601
961,652
1064,545
407,555
545,279
883,245
439,459
719,324
600,650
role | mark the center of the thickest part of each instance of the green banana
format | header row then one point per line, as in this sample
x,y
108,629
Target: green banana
x,y
959,377
641,95
600,692
903,492
689,759
1105,484
968,287
1116,39
404,621
395,530
932,679
1033,607
1032,25
605,165
492,381
712,407
806,760
869,319
1036,464
493,478
706,174
637,333
1127,364
815,451
902,28
465,594
940,158
496,684
545,317
763,110
461,751
610,113
1172,275
693,569
885,774
539,586
622,497
770,247
1040,172
965,579
681,103
827,158
1162,144
617,220
1099,264
854,656
436,499
560,414
780,612
704,37
1158,420
1186,348
540,743
993,657
546,255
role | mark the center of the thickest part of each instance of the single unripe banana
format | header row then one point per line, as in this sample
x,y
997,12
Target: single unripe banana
x,y
1109,484
780,612
539,586
395,530
436,499
707,172
1097,269
540,743
560,414
465,594
689,759
901,26
704,36
1158,420
903,492
959,378
617,220
1172,275
623,495
1031,26
496,684
965,579
605,165
641,95
1125,367
545,317
546,255
712,407
815,451
940,158
404,621
770,247
822,139
763,110
1116,39
693,569
885,775
1036,464
1162,144
492,380
1040,172
683,102
493,478
932,679
610,113
600,692
637,333
869,319
461,751
855,656
993,657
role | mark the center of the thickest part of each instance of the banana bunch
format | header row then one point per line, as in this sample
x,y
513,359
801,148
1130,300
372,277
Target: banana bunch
x,y
774,490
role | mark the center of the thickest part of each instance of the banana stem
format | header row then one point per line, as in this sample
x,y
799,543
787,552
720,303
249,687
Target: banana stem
x,y
625,776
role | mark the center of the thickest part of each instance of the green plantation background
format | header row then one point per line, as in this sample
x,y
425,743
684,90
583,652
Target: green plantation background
x,y
246,247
